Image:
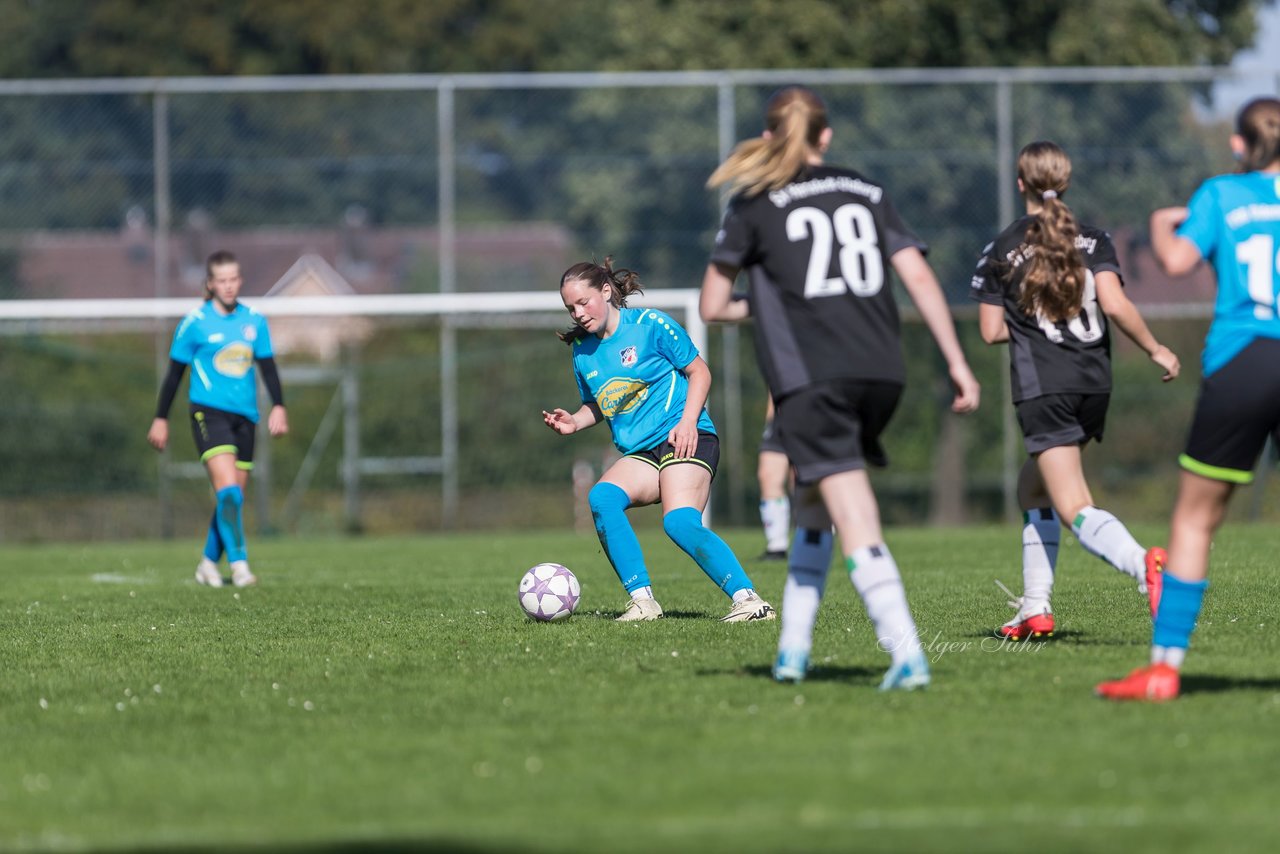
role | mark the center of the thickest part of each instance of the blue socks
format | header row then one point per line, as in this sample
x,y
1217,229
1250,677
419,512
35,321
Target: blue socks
x,y
213,541
684,526
230,522
1180,603
609,503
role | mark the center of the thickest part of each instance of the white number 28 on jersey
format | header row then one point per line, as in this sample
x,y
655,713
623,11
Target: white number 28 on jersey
x,y
851,232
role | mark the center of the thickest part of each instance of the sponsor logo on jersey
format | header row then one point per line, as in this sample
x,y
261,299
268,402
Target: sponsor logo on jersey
x,y
628,356
621,395
592,375
234,360
216,338
250,333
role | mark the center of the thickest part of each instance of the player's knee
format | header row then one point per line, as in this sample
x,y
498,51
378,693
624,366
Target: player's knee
x,y
607,497
682,524
232,495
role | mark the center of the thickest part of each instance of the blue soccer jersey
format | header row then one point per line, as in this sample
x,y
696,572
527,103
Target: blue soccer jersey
x,y
221,349
1234,221
636,377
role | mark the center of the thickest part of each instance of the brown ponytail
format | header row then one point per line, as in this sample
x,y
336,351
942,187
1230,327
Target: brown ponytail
x,y
795,118
1054,275
1259,126
622,282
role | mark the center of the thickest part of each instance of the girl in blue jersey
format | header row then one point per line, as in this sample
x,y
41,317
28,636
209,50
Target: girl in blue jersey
x,y
638,371
221,341
1233,222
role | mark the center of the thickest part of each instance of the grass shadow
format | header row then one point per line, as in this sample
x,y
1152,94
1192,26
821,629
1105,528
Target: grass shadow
x,y
818,673
1207,684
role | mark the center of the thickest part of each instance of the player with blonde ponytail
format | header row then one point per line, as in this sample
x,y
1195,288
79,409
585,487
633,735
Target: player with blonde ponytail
x,y
1048,286
818,243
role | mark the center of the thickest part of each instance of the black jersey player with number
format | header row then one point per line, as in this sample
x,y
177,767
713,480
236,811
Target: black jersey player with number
x,y
819,244
1049,286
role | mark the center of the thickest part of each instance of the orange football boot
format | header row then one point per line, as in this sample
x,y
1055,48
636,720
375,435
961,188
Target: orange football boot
x,y
1155,683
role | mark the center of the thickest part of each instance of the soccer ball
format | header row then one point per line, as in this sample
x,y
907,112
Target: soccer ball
x,y
549,591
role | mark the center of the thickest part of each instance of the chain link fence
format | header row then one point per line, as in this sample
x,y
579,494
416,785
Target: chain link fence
x,y
482,183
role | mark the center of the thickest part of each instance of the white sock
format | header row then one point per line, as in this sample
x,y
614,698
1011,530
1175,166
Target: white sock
x,y
743,594
1170,655
875,576
1041,534
645,592
775,516
806,580
1105,536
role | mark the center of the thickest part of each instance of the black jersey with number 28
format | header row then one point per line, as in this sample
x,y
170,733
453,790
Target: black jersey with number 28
x,y
817,252
1046,357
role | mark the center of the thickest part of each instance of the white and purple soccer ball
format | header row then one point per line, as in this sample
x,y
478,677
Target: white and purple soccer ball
x,y
549,591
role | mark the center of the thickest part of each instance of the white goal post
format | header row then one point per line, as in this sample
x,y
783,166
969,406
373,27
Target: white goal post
x,y
457,311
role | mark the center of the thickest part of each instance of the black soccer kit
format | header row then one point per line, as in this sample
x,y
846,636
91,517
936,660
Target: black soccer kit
x,y
1060,370
817,252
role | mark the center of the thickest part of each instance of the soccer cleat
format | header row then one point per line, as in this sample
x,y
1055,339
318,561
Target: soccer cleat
x,y
749,610
207,573
1156,560
1154,683
907,675
241,576
791,666
1034,622
641,610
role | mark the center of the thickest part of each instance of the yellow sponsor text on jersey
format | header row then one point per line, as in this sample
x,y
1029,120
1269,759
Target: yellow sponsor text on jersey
x,y
621,395
234,360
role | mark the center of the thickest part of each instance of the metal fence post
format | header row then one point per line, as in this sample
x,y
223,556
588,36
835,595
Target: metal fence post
x,y
160,259
1006,204
448,284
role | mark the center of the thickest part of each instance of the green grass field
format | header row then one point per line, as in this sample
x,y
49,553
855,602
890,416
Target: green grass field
x,y
388,693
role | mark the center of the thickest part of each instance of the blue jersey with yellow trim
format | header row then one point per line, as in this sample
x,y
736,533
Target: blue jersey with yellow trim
x,y
636,377
1234,221
221,349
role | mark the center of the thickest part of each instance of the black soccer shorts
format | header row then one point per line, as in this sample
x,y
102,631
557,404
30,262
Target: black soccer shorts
x,y
219,432
834,426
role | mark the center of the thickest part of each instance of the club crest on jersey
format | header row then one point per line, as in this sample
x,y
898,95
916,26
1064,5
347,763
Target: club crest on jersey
x,y
249,332
628,356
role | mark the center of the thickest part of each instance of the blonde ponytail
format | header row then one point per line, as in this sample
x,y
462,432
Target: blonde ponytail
x,y
795,119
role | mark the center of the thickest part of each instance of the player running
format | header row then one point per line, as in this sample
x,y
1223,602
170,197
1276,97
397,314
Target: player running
x,y
1233,221
818,242
221,340
1048,286
638,371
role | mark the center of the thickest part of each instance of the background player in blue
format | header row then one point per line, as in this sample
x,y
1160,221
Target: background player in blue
x,y
817,243
221,340
1048,286
1233,222
638,371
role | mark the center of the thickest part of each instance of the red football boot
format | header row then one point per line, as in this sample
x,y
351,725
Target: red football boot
x,y
1034,622
1155,684
1156,560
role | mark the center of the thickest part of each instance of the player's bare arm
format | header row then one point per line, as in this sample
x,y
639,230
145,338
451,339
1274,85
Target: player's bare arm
x,y
1116,306
684,436
717,302
565,423
992,324
925,292
1177,255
